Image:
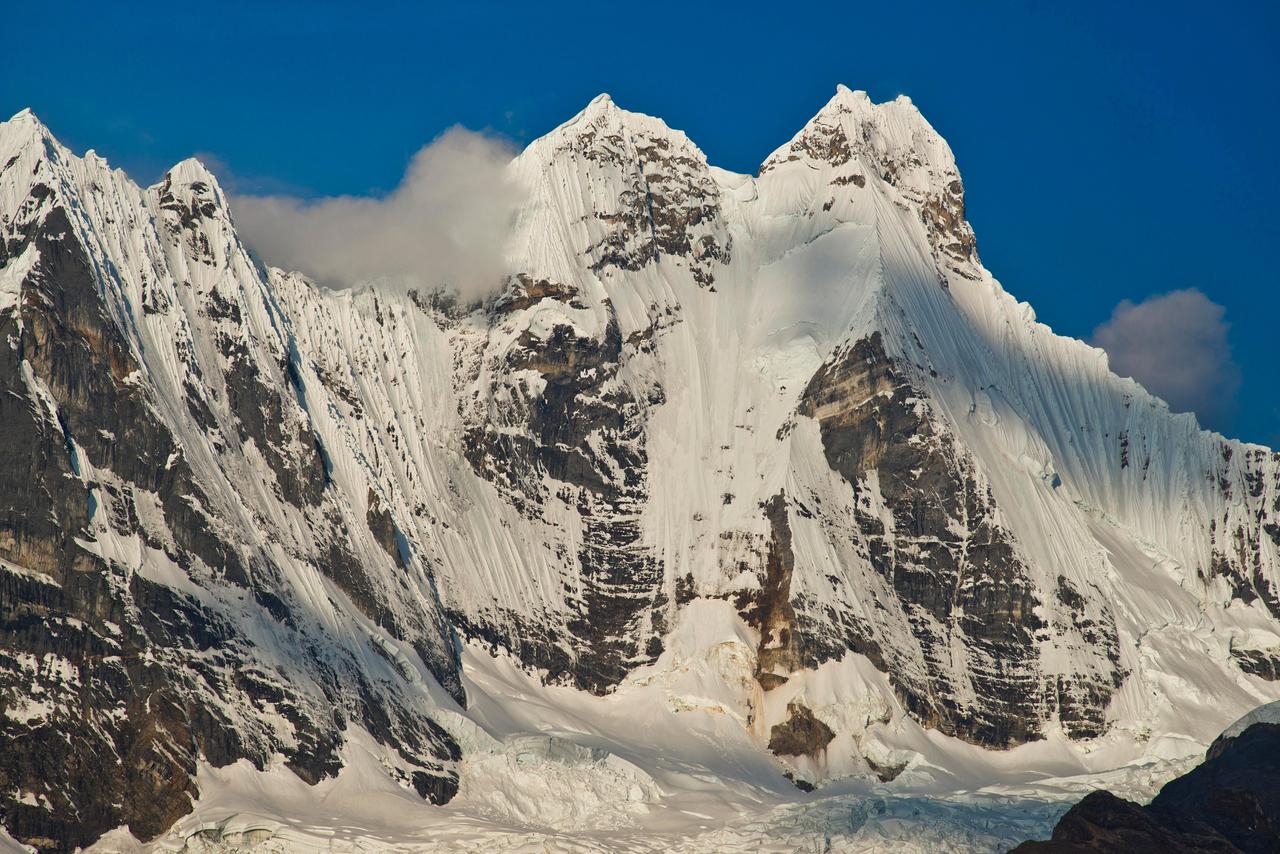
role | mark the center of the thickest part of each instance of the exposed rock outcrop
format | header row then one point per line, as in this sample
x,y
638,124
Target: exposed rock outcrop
x,y
1230,804
801,734
137,613
956,571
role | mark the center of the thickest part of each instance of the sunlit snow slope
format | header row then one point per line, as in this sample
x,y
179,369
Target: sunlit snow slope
x,y
772,461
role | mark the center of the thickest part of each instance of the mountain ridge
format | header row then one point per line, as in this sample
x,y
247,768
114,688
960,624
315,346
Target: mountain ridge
x,y
795,406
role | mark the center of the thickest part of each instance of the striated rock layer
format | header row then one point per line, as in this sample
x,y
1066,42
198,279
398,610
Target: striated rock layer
x,y
241,514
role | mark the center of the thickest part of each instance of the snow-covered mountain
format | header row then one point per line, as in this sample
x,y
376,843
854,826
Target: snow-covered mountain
x,y
773,459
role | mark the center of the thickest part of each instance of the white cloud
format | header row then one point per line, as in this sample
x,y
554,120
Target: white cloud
x,y
1176,345
445,226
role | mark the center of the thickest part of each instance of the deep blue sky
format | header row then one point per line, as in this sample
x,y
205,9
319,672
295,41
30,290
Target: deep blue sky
x,y
1109,151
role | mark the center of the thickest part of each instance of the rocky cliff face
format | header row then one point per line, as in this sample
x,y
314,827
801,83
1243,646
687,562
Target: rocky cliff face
x,y
247,514
162,472
958,578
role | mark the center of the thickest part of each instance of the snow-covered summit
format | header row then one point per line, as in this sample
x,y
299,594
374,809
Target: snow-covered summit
x,y
24,123
602,126
24,141
852,139
854,124
193,171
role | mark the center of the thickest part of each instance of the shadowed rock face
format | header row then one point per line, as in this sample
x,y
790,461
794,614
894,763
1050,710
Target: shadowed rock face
x,y
955,570
1264,664
114,685
1229,804
585,431
73,628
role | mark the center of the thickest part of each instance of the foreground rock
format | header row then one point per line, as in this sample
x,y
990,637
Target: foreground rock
x,y
1230,803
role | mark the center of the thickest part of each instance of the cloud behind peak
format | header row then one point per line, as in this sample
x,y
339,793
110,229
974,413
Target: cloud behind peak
x,y
445,226
1176,345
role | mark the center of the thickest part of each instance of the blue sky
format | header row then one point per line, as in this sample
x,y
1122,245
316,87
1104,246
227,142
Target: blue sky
x,y
1111,152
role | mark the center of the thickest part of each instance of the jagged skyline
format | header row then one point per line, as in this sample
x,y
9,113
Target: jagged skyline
x,y
739,488
323,101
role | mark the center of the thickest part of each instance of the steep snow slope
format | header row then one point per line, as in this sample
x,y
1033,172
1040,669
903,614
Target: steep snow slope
x,y
770,464
183,580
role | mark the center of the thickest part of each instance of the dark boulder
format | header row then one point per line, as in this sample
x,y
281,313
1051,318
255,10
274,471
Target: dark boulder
x,y
1230,803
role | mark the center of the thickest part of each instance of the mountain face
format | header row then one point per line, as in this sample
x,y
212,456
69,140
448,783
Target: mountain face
x,y
242,516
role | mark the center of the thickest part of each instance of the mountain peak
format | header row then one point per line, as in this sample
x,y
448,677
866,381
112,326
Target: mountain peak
x,y
600,105
599,123
192,171
602,111
22,126
190,190
845,95
851,124
858,103
25,114
852,138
